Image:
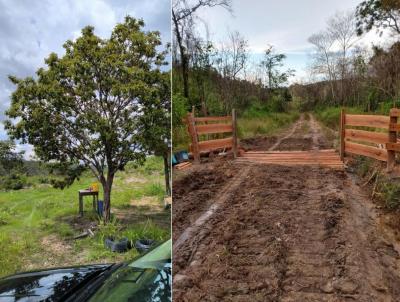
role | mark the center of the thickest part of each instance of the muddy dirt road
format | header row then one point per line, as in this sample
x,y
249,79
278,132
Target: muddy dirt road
x,y
254,232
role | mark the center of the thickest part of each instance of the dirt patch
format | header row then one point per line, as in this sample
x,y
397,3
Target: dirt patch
x,y
285,234
55,245
131,180
193,193
79,223
295,143
260,143
143,209
285,238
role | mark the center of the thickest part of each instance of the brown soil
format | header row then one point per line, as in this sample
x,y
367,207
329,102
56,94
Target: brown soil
x,y
259,143
281,234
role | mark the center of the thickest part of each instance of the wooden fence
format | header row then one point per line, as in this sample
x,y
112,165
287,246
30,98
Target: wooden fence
x,y
211,125
381,145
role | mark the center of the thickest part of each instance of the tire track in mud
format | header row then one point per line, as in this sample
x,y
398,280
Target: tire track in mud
x,y
291,234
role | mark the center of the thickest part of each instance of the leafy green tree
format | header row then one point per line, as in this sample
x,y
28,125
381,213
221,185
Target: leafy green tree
x,y
379,14
272,63
95,105
10,159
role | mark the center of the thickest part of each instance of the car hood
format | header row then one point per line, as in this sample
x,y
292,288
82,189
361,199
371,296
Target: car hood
x,y
49,285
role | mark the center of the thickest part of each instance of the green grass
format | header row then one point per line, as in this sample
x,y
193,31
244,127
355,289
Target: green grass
x,y
330,116
29,216
264,124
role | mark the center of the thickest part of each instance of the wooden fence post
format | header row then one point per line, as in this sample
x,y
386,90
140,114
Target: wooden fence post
x,y
342,133
392,139
234,133
193,136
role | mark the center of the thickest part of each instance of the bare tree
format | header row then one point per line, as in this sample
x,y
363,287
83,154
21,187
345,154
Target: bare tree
x,y
233,55
183,13
324,57
342,29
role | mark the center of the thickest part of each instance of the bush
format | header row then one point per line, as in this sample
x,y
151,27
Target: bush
x,y
179,109
13,182
391,195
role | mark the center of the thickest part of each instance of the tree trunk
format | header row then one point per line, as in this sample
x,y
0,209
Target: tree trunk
x,y
184,58
167,174
107,186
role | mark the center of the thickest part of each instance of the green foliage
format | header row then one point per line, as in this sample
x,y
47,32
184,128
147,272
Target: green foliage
x,y
272,63
10,160
330,116
29,216
13,181
379,14
104,103
179,109
265,124
391,194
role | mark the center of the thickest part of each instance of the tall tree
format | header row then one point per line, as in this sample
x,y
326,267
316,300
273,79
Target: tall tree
x,y
342,29
324,61
272,63
10,159
378,14
233,55
94,105
183,13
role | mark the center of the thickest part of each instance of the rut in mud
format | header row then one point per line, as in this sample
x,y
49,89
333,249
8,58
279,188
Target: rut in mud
x,y
285,234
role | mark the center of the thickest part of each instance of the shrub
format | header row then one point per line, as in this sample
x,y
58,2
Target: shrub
x,y
13,182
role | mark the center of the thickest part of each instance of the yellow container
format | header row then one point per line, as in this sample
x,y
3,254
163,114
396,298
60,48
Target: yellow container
x,y
94,187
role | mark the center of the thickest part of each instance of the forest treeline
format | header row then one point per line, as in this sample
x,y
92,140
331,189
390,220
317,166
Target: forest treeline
x,y
346,73
215,77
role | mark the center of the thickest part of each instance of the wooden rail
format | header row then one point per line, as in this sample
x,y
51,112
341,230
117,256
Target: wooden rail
x,y
211,125
378,145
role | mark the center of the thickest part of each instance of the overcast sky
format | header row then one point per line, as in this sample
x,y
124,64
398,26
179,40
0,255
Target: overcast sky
x,y
285,24
30,30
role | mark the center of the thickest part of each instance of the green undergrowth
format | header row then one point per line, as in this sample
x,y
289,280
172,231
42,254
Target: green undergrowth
x,y
37,224
384,189
266,124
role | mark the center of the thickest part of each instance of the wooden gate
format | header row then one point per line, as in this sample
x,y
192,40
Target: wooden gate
x,y
378,138
198,126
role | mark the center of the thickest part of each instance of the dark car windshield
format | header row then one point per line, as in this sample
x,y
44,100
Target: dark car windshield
x,y
145,279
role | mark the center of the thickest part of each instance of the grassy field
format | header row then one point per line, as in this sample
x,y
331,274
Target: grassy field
x,y
264,124
37,224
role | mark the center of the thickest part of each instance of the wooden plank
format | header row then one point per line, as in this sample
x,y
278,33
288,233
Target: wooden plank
x,y
395,112
294,151
393,146
214,128
234,133
212,118
215,144
391,161
394,126
367,136
342,133
338,164
194,138
183,166
376,121
380,154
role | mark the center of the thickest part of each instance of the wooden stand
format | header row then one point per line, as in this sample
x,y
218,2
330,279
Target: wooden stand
x,y
83,193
